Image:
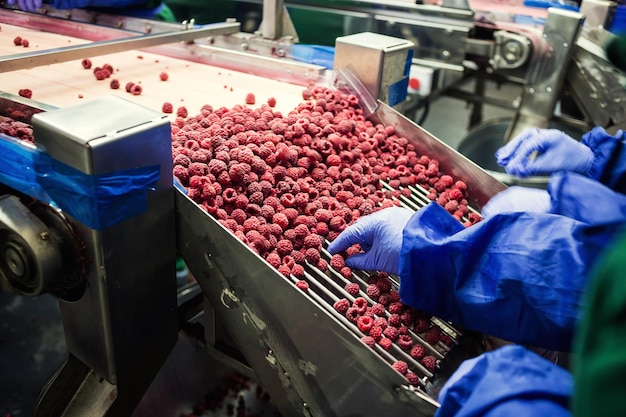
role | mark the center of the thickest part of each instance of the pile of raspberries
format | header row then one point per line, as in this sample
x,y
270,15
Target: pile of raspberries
x,y
16,129
284,184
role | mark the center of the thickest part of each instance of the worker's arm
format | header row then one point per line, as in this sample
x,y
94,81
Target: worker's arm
x,y
515,275
510,381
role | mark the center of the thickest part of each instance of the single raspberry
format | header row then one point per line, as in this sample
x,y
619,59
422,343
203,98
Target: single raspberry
x,y
284,270
352,314
394,320
302,284
114,84
403,330
378,309
25,43
298,271
284,247
271,102
167,108
129,86
395,298
369,341
432,335
346,272
86,63
412,378
391,333
381,322
417,352
352,288
400,366
421,325
163,76
25,92
337,261
365,324
384,285
372,291
429,362
395,307
385,343
405,342
136,90
384,299
108,67
182,112
322,265
312,255
376,332
250,98
274,259
445,339
342,305
360,304
17,41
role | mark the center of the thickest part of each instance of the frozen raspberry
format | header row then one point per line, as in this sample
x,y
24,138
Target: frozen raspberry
x,y
86,63
337,223
381,322
273,259
378,309
352,314
25,43
421,325
312,255
445,339
167,108
365,323
394,295
136,90
114,84
281,220
163,76
396,307
385,343
432,335
129,86
271,102
337,261
405,342
376,332
403,330
322,265
284,247
412,378
342,305
418,352
394,320
182,112
17,41
384,285
302,284
391,333
284,270
360,304
373,291
346,272
250,98
298,271
429,362
25,92
369,341
384,299
352,288
400,366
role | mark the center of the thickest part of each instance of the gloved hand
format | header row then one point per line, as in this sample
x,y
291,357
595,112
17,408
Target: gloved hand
x,y
518,199
380,236
544,151
27,5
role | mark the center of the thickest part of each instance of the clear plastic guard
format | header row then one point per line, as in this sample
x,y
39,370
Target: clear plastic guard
x,y
346,79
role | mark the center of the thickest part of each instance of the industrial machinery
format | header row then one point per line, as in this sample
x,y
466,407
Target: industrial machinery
x,y
95,219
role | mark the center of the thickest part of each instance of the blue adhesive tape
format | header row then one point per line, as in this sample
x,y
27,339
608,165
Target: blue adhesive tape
x,y
98,201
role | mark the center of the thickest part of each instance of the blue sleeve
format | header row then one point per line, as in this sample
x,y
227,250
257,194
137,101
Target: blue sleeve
x,y
609,164
510,381
518,276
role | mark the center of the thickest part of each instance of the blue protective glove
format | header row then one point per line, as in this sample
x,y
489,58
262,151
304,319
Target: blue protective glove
x,y
380,237
544,151
518,198
510,381
27,5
